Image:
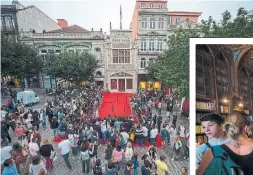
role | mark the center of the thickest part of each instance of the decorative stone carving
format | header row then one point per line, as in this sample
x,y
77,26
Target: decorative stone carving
x,y
121,74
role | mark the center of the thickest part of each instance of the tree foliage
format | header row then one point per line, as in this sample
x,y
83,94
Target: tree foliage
x,y
172,67
75,67
19,59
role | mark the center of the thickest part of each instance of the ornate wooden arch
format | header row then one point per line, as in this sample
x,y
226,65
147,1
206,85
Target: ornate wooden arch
x,y
237,63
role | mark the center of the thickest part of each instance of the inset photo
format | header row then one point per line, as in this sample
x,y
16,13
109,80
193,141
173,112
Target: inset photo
x,y
223,108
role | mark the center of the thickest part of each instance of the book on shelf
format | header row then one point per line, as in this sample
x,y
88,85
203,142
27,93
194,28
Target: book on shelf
x,y
205,105
198,129
224,109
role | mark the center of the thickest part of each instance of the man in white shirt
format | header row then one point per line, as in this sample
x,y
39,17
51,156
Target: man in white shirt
x,y
5,153
64,147
153,135
145,134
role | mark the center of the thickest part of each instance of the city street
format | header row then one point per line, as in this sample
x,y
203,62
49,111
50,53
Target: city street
x,y
61,169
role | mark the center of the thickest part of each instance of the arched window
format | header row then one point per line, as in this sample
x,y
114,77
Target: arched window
x,y
204,72
143,63
222,76
99,74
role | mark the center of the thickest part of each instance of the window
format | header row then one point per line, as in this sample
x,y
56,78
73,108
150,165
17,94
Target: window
x,y
115,56
127,56
151,5
113,83
169,20
160,45
143,63
142,5
152,45
129,84
160,6
121,56
43,51
152,23
99,74
160,23
143,45
144,23
177,20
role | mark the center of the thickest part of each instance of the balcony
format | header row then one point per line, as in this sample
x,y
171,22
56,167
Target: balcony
x,y
147,52
121,66
142,71
153,11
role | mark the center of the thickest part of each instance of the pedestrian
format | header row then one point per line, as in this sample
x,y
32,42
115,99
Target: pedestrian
x,y
111,169
97,169
108,154
20,156
129,151
45,151
37,165
35,119
135,162
54,127
43,118
162,168
9,167
129,168
33,147
117,156
64,147
85,156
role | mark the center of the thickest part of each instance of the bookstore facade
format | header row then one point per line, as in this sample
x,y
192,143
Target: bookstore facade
x,y
224,81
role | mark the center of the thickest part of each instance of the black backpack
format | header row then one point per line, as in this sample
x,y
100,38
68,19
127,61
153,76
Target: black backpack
x,y
97,170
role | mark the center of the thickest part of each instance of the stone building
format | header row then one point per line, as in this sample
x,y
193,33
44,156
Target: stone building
x,y
121,62
73,38
151,25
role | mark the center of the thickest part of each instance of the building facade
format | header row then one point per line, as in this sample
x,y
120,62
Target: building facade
x,y
72,38
121,62
151,25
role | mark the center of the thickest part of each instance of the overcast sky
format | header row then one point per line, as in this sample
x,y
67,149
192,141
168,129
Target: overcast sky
x,y
99,13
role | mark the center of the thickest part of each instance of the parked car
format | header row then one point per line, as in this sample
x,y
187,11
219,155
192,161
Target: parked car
x,y
28,97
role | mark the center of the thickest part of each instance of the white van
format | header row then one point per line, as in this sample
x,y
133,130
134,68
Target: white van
x,y
28,97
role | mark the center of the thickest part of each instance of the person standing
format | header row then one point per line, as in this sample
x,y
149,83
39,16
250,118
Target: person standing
x,y
162,168
64,147
45,151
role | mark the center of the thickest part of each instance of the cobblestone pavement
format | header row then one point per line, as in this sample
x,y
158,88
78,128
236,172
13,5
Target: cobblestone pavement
x,y
60,167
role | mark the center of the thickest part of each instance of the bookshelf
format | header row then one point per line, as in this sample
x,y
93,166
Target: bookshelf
x,y
203,107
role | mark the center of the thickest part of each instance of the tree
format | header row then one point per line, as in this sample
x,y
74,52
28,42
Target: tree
x,y
172,67
74,67
19,59
240,27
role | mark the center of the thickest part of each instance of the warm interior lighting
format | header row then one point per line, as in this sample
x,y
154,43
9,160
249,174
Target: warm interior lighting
x,y
240,104
225,100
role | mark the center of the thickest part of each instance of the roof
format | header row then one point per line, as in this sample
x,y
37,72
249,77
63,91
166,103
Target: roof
x,y
70,29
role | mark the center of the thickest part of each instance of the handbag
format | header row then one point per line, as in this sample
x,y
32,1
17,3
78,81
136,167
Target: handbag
x,y
24,152
53,155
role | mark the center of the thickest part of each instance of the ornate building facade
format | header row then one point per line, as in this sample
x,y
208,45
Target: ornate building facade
x,y
72,38
151,24
121,62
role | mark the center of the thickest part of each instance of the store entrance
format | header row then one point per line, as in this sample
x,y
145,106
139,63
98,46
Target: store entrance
x,y
121,85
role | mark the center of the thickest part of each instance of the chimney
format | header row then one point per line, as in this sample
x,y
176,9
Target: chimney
x,y
92,29
101,29
63,23
110,26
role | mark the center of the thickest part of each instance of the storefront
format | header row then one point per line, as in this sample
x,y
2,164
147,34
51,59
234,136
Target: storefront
x,y
224,82
122,82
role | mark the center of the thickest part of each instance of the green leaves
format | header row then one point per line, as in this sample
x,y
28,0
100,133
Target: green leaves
x,y
19,59
172,67
75,67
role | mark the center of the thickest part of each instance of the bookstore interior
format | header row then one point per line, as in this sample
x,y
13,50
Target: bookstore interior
x,y
224,81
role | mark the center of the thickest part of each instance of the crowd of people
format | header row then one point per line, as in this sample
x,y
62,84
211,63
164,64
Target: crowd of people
x,y
78,129
229,149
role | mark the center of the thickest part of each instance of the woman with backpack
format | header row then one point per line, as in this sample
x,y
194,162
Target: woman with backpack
x,y
97,169
85,156
238,152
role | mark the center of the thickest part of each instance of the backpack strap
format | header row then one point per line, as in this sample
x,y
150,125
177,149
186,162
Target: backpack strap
x,y
208,145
